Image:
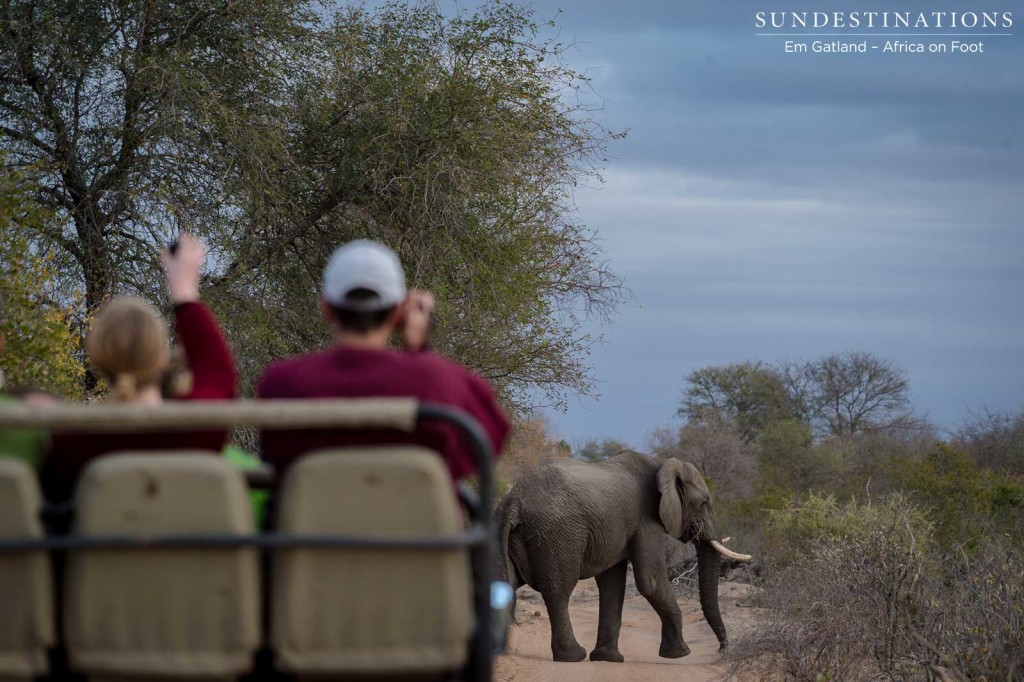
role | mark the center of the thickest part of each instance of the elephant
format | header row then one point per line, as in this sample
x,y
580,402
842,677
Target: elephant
x,y
567,520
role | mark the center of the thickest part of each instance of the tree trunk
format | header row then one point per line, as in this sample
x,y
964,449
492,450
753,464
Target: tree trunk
x,y
95,266
709,568
96,270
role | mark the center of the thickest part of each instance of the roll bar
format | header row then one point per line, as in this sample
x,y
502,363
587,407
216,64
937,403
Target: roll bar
x,y
402,414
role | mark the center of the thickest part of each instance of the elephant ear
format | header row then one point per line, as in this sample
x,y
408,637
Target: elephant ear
x,y
670,508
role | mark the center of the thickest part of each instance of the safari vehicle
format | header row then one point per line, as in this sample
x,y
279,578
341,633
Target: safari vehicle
x,y
369,573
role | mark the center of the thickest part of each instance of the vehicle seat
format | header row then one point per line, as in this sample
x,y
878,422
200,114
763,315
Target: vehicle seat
x,y
162,612
26,581
370,612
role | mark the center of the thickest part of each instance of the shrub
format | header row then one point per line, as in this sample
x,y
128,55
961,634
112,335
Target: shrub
x,y
529,444
718,450
41,346
866,592
994,439
797,530
744,520
789,458
968,504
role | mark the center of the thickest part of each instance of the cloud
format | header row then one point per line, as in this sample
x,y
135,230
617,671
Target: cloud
x,y
780,206
924,272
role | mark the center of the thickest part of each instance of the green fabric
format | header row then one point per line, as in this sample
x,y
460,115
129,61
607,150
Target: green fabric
x,y
247,462
25,444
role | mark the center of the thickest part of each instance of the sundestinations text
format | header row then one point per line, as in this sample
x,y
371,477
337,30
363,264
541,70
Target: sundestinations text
x,y
879,19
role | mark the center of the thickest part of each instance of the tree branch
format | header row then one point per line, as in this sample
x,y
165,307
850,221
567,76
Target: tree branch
x,y
29,139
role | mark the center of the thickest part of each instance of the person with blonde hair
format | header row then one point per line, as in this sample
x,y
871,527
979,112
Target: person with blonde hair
x,y
128,346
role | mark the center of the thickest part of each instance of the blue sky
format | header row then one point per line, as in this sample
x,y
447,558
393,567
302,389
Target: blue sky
x,y
784,206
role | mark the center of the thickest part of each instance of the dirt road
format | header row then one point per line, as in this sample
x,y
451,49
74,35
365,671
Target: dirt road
x,y
529,656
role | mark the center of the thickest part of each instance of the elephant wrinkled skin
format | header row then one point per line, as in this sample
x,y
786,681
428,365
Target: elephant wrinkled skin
x,y
567,520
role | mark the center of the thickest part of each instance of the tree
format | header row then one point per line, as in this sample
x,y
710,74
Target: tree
x,y
529,444
856,391
749,394
38,346
842,393
596,450
137,116
277,134
994,439
718,450
789,459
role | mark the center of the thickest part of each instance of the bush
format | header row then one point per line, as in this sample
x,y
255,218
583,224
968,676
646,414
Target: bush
x,y
797,530
717,448
529,444
968,504
866,592
994,439
790,458
975,618
744,520
41,347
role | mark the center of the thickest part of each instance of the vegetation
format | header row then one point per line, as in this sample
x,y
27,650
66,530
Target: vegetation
x,y
529,444
842,393
718,450
747,395
883,551
595,450
40,343
994,439
276,132
872,592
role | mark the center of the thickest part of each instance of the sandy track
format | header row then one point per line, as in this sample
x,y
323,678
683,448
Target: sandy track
x,y
529,655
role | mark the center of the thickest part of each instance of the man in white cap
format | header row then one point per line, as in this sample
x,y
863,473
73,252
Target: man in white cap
x,y
365,301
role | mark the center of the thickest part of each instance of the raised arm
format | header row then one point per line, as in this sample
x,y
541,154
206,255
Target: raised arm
x,y
209,358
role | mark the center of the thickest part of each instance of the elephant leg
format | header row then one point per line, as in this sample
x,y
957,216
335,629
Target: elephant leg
x,y
564,646
612,586
652,582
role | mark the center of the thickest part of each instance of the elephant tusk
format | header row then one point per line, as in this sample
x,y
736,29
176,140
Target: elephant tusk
x,y
725,540
726,552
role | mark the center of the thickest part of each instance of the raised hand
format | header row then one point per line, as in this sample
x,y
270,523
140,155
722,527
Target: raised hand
x,y
183,268
416,318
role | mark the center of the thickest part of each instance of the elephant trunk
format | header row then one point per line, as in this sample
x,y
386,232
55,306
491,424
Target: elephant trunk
x,y
709,567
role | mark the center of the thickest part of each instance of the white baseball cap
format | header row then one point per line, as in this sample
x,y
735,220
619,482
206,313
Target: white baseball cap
x,y
367,265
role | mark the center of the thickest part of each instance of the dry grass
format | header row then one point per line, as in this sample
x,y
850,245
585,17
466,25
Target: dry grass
x,y
883,602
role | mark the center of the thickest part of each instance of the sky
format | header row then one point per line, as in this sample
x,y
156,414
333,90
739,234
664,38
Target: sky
x,y
780,206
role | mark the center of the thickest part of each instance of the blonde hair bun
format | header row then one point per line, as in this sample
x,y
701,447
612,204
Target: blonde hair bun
x,y
128,345
125,387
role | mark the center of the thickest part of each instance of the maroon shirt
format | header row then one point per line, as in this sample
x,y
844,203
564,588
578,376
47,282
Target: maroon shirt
x,y
346,372
213,378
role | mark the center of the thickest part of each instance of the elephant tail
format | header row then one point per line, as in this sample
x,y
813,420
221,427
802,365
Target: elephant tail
x,y
508,519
